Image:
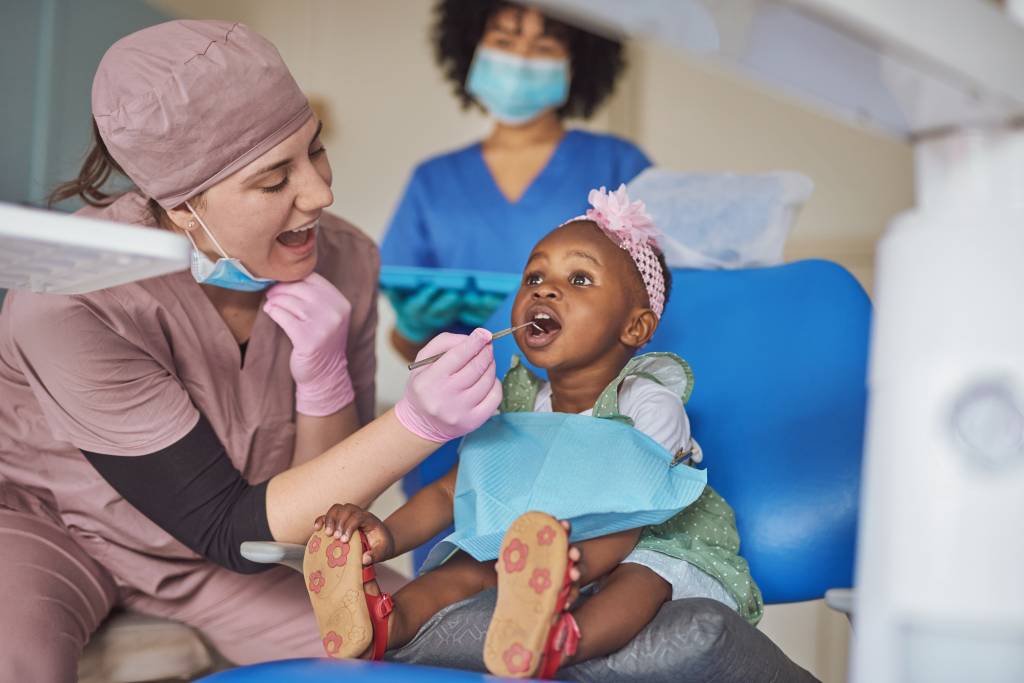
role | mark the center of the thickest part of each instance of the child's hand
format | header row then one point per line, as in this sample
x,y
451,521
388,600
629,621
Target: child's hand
x,y
343,521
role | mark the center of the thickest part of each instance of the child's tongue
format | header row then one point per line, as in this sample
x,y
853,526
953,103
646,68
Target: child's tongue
x,y
546,325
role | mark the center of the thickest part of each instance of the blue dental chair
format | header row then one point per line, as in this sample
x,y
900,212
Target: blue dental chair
x,y
780,360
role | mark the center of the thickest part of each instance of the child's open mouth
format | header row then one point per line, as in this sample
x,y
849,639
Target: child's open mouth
x,y
545,328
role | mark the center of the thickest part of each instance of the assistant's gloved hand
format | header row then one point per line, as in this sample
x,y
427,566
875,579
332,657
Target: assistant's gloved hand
x,y
456,393
425,312
477,307
315,316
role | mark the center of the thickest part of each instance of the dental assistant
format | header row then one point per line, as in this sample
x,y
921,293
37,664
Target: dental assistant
x,y
148,429
483,207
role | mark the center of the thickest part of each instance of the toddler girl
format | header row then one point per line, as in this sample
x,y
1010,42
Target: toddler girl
x,y
604,443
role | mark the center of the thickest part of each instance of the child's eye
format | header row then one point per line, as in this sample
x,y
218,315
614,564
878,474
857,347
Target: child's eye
x,y
580,279
532,279
317,152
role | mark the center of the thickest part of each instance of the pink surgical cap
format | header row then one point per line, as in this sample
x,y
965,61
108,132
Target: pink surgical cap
x,y
184,104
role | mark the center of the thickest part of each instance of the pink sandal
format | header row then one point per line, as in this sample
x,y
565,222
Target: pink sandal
x,y
531,632
350,619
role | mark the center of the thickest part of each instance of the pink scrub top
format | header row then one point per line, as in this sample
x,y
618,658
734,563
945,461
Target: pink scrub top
x,y
128,370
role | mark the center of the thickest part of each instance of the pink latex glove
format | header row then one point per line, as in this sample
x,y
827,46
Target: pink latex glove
x,y
315,316
456,393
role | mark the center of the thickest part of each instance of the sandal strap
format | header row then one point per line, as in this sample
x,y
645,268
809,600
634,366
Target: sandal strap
x,y
379,607
563,640
564,636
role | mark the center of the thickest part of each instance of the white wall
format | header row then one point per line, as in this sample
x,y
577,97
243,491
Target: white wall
x,y
387,108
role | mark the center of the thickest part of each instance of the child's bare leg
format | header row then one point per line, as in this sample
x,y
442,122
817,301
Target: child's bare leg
x,y
629,599
455,580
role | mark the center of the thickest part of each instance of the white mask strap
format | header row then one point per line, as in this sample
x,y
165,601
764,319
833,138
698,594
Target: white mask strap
x,y
206,230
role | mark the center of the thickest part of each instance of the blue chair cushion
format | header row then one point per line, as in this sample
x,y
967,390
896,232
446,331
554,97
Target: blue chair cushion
x,y
780,360
351,671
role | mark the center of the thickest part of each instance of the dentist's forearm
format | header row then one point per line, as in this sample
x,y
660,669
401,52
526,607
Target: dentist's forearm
x,y
357,470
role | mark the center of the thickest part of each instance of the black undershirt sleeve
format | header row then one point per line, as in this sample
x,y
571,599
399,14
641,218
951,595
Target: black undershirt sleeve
x,y
192,491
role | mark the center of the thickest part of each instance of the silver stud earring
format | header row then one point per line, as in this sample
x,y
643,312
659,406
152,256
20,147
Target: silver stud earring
x,y
191,225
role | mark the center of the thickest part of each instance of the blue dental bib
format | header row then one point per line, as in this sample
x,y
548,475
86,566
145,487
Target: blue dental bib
x,y
601,475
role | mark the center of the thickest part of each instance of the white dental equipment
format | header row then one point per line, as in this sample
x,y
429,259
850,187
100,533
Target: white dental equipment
x,y
56,253
941,538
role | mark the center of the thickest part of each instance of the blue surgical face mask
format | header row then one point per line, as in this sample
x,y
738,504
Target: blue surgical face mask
x,y
515,90
227,272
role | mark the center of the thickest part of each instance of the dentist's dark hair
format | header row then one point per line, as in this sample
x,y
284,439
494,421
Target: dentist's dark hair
x,y
594,62
97,170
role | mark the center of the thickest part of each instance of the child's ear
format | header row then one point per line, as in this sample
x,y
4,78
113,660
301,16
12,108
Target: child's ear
x,y
640,328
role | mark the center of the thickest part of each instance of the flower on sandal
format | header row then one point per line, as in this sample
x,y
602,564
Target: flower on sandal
x,y
317,581
546,536
517,659
514,556
314,544
337,553
540,581
332,643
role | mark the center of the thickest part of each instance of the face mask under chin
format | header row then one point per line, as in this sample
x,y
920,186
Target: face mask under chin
x,y
226,272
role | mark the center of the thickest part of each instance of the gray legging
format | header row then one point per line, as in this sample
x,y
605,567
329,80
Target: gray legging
x,y
695,639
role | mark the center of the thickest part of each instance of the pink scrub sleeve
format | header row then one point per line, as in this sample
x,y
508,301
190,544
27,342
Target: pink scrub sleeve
x,y
97,384
350,260
362,352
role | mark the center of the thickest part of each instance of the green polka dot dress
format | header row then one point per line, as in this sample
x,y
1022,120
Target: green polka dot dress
x,y
704,534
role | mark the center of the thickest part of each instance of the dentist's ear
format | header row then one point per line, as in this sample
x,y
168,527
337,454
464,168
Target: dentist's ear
x,y
182,219
640,327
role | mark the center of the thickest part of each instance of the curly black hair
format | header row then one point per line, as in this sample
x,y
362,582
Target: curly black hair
x,y
595,62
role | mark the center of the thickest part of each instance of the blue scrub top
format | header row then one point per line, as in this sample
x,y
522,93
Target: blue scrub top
x,y
453,215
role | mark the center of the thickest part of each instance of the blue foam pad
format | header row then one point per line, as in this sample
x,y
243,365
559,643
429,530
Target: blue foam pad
x,y
780,360
337,670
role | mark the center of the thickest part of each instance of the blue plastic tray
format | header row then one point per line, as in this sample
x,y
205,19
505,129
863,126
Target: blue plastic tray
x,y
412,277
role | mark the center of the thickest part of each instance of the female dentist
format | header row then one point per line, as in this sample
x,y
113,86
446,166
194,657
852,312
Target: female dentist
x,y
148,429
484,206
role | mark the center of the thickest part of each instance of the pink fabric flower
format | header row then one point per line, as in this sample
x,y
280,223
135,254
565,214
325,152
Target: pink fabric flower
x,y
314,544
337,553
332,643
540,581
316,581
517,659
515,556
617,215
546,536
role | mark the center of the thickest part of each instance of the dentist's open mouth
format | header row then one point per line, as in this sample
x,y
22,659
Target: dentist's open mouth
x,y
298,237
546,327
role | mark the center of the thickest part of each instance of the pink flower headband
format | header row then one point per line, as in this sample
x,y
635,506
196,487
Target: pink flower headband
x,y
630,226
